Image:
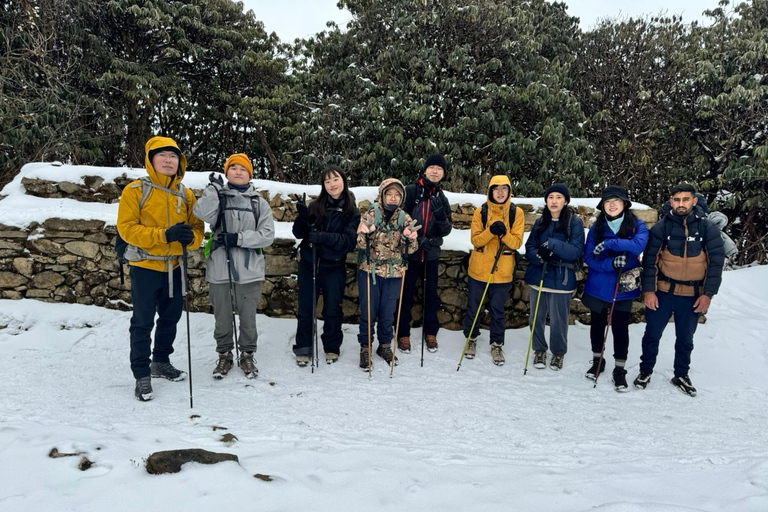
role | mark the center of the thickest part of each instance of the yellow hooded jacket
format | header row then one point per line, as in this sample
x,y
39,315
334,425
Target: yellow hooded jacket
x,y
486,243
145,227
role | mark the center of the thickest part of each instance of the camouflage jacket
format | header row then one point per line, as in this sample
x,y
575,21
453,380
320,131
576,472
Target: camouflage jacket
x,y
385,247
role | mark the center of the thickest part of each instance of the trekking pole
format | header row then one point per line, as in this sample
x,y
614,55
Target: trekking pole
x,y
423,312
314,306
607,327
368,303
232,296
535,312
480,305
185,292
399,307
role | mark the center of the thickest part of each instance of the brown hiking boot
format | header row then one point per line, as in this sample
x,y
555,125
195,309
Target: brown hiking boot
x,y
365,358
247,364
223,365
404,345
431,340
471,348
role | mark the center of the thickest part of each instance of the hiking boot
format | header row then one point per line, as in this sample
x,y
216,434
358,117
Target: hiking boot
x,y
684,385
592,372
385,352
223,365
302,361
365,358
143,389
166,371
556,363
404,345
540,359
248,365
331,357
497,354
431,340
620,380
642,380
471,348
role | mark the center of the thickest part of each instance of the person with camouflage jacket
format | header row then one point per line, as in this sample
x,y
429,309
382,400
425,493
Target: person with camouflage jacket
x,y
386,236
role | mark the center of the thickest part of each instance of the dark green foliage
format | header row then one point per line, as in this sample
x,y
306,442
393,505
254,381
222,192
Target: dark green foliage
x,y
485,82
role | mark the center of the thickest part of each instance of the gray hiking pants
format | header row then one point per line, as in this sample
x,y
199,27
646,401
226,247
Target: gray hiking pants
x,y
247,298
558,307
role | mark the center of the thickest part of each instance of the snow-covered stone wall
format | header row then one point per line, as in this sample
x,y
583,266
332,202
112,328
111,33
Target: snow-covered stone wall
x,y
65,259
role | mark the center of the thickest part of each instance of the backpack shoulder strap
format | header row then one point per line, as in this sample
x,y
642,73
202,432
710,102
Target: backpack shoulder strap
x,y
484,214
512,213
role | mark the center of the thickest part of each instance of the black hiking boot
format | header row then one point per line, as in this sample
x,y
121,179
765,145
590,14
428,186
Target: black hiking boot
x,y
592,372
642,380
166,371
385,352
143,389
365,358
620,380
684,385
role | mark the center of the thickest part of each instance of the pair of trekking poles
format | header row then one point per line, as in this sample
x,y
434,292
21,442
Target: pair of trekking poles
x,y
412,227
232,295
535,313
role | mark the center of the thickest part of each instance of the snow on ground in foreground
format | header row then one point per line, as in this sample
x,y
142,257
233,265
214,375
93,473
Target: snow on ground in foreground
x,y
486,438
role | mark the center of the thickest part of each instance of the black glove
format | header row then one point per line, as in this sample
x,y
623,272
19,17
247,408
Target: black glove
x,y
545,253
599,248
498,228
217,181
619,262
439,214
181,233
301,206
316,237
227,239
425,243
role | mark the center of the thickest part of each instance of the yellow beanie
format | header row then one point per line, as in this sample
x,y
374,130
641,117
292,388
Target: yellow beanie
x,y
239,158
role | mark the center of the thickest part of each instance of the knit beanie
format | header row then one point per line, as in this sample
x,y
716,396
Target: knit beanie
x,y
559,188
239,158
435,159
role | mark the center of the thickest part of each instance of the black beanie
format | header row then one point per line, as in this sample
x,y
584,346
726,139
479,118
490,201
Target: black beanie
x,y
614,191
560,188
155,151
436,160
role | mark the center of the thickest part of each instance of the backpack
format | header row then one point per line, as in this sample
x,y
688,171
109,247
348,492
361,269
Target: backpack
x,y
127,252
208,248
484,218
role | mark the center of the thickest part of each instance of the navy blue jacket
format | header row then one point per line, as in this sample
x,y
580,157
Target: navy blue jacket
x,y
339,234
420,203
560,273
601,279
702,235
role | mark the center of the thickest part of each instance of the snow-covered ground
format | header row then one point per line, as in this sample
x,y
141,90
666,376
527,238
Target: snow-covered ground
x,y
484,438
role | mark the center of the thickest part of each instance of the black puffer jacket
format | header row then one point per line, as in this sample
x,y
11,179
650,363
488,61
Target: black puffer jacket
x,y
670,232
421,200
339,233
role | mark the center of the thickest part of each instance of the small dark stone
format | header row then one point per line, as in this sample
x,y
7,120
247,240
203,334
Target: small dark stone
x,y
194,416
84,464
266,478
170,461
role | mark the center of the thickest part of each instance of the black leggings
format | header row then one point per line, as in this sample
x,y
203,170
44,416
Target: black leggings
x,y
619,328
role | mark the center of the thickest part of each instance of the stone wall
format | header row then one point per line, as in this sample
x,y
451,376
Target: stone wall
x,y
74,261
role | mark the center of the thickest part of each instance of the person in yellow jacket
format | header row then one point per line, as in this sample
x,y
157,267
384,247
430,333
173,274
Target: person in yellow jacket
x,y
489,238
155,218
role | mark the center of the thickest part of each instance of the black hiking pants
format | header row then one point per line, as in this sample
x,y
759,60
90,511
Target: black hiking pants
x,y
331,280
149,295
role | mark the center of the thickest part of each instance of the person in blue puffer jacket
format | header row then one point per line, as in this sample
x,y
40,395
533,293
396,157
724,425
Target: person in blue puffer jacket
x,y
614,245
557,241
